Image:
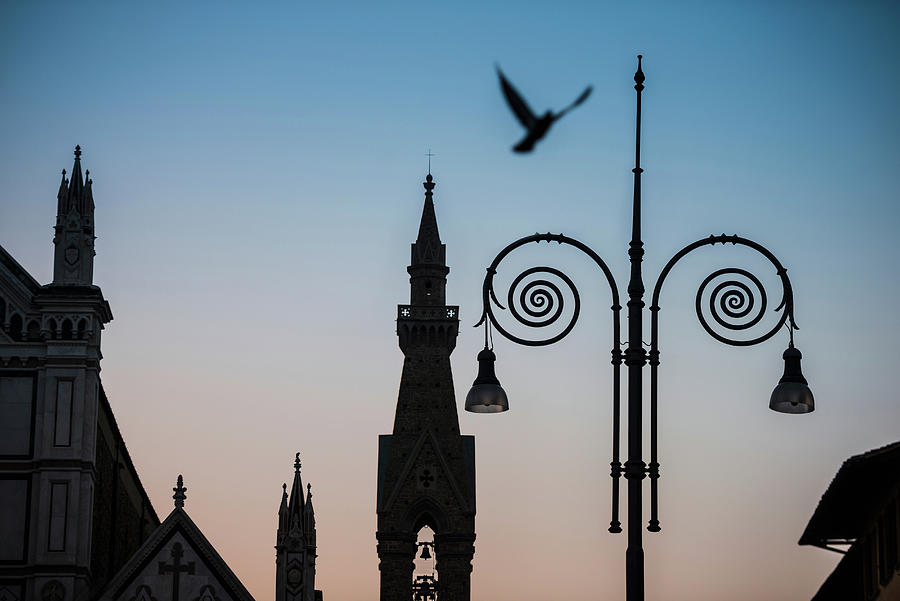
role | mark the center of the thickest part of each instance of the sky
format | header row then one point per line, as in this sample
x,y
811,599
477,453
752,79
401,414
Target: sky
x,y
257,176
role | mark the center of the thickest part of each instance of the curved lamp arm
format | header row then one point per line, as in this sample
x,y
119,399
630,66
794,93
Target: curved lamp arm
x,y
542,303
736,301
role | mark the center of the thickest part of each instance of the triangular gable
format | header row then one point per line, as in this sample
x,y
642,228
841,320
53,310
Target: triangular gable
x,y
176,560
427,436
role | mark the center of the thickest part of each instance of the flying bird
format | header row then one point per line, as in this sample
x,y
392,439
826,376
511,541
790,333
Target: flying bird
x,y
537,126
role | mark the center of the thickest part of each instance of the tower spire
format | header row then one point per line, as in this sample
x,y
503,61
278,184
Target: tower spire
x,y
427,248
76,184
282,516
428,261
73,261
296,501
295,543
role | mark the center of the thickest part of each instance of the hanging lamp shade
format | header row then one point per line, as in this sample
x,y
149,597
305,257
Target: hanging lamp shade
x,y
792,394
486,394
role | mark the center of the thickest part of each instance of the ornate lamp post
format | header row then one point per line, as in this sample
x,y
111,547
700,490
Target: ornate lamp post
x,y
731,304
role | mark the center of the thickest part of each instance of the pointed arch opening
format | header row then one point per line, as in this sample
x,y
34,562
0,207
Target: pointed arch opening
x,y
426,512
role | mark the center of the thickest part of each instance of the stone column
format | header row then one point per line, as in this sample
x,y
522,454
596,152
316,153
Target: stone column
x,y
396,552
453,557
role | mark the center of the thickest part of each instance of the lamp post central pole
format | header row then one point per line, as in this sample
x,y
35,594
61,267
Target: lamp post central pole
x,y
635,359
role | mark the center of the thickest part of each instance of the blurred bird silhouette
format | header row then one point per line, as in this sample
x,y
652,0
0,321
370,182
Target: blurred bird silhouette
x,y
537,126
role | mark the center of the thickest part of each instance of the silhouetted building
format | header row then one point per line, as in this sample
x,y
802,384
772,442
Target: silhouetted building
x,y
426,469
75,521
295,574
860,509
73,506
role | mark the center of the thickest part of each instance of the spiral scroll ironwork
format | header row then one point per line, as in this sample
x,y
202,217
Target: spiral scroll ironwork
x,y
539,302
735,305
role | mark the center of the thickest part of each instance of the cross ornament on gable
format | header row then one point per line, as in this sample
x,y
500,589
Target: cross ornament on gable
x,y
176,568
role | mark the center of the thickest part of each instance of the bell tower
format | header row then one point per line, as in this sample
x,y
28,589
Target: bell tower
x,y
426,469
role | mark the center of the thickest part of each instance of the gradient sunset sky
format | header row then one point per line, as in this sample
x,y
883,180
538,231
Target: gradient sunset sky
x,y
257,176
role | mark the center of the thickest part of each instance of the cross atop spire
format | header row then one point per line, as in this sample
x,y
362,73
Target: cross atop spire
x,y
179,495
429,154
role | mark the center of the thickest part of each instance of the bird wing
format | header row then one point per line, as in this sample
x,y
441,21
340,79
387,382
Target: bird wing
x,y
579,100
516,102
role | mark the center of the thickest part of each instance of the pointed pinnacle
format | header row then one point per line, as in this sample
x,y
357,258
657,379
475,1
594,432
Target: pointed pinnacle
x,y
179,495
